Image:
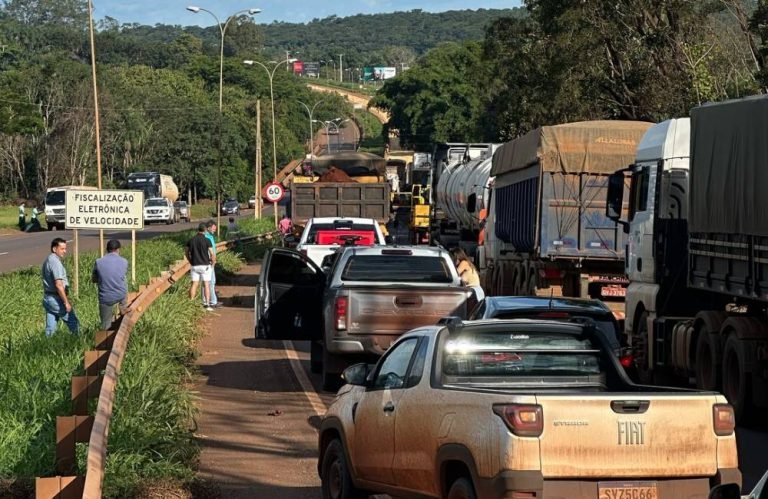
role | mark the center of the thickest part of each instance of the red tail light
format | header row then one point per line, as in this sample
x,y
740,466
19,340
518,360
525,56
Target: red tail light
x,y
724,419
627,360
341,312
524,420
550,273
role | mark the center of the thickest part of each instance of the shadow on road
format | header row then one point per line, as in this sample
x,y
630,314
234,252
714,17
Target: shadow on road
x,y
248,375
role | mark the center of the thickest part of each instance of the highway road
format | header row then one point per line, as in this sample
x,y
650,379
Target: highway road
x,y
18,249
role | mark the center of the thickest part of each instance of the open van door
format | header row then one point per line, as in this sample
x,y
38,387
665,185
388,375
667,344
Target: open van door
x,y
289,297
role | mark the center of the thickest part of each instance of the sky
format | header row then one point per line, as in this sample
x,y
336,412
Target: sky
x,y
153,12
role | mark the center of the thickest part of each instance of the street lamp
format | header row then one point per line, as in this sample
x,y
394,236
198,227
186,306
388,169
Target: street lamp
x,y
271,75
311,131
223,30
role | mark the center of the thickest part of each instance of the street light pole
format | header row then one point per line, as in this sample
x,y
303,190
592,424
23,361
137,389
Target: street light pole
x,y
223,31
311,131
96,113
271,75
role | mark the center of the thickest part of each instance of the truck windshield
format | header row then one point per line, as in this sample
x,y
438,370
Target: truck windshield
x,y
511,356
55,198
370,268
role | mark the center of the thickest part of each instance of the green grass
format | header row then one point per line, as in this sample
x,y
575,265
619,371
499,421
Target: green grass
x,y
205,208
150,435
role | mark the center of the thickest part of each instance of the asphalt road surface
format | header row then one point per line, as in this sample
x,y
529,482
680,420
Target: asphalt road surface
x,y
19,249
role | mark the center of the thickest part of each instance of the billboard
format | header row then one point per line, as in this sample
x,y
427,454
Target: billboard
x,y
378,73
298,67
312,69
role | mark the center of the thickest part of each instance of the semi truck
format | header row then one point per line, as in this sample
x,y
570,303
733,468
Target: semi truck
x,y
545,230
154,185
460,197
697,252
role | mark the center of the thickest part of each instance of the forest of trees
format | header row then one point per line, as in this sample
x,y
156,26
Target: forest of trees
x,y
159,91
570,61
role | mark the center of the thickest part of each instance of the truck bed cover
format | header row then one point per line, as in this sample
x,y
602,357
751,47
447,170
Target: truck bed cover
x,y
729,167
582,147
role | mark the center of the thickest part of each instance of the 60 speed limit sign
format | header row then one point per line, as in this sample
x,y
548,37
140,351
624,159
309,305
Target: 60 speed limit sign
x,y
273,192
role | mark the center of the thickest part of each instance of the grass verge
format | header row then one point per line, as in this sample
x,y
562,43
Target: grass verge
x,y
150,435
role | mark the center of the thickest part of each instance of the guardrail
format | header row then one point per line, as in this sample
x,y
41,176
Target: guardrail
x,y
107,357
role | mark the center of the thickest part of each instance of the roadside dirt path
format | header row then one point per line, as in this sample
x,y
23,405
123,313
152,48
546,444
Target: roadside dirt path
x,y
256,423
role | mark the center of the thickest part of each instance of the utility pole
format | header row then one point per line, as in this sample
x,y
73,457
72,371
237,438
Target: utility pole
x,y
96,114
257,172
341,75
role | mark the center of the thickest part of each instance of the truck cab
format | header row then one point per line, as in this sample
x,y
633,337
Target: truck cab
x,y
657,226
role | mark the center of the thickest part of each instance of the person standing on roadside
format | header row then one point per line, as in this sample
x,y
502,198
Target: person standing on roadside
x,y
210,234
22,216
55,290
109,274
200,254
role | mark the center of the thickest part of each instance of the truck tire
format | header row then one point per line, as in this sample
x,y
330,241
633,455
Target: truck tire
x,y
736,380
708,361
462,489
315,357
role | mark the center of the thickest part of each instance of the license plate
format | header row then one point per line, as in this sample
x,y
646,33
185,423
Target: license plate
x,y
613,291
627,490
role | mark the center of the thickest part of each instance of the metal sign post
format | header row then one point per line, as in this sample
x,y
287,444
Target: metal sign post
x,y
77,264
133,256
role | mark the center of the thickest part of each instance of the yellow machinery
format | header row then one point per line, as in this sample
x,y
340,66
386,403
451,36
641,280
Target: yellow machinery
x,y
420,214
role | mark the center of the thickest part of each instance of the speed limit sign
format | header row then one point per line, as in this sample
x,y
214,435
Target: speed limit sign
x,y
273,192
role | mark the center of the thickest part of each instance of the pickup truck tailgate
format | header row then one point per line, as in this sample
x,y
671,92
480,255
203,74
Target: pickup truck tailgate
x,y
393,310
598,436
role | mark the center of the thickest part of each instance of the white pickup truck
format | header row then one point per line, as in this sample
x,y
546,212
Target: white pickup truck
x,y
323,236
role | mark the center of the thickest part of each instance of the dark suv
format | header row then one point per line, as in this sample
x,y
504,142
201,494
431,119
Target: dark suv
x,y
230,207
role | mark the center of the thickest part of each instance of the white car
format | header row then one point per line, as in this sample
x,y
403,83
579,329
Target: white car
x,y
159,210
252,202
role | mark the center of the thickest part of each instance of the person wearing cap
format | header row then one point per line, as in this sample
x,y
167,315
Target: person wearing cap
x,y
210,234
109,274
199,252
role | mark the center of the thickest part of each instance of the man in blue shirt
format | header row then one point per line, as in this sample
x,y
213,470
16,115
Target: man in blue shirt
x,y
210,234
109,274
55,287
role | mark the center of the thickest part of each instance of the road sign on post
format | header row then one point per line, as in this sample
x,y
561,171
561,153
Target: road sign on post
x,y
273,192
104,209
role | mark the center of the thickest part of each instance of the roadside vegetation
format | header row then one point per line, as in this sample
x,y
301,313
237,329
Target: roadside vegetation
x,y
372,133
151,433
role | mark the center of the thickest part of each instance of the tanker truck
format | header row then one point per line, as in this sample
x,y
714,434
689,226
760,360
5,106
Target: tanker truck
x,y
460,198
154,185
546,232
698,252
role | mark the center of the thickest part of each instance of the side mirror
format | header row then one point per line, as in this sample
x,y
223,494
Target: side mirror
x,y
615,197
356,375
725,491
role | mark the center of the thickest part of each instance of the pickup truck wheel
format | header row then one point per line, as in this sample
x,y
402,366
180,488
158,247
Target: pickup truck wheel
x,y
335,476
462,489
315,357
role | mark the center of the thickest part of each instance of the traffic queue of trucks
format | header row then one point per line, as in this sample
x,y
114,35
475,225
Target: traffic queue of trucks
x,y
680,235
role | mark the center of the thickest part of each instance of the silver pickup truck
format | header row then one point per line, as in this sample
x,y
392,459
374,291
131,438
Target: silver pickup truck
x,y
355,308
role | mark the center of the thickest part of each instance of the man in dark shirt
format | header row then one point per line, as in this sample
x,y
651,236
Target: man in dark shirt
x,y
200,254
109,274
